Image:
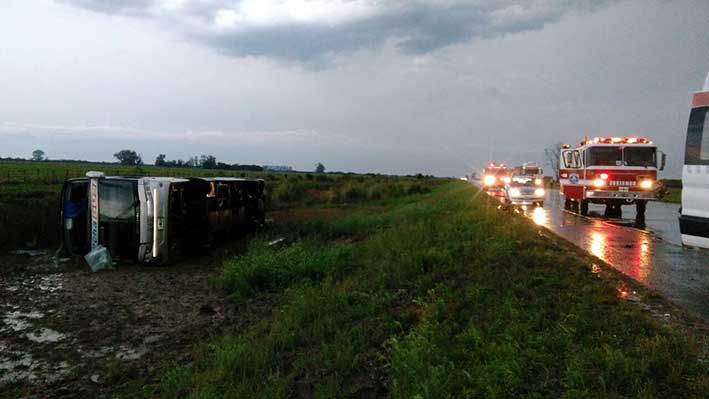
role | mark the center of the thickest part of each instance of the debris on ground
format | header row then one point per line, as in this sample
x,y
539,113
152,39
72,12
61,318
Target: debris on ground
x,y
99,259
29,252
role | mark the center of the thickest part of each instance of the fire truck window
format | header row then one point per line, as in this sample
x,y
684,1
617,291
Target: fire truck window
x,y
640,156
571,159
604,156
697,150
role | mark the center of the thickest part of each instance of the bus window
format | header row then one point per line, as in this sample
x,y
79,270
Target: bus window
x,y
697,149
222,196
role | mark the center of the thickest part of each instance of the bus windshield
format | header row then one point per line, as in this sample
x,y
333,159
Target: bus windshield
x,y
640,156
604,156
697,151
117,200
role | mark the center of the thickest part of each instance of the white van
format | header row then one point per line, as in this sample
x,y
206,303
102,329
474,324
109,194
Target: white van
x,y
694,218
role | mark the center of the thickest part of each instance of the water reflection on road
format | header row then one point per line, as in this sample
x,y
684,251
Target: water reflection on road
x,y
650,255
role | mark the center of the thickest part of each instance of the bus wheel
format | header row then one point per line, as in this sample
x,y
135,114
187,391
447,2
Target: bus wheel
x,y
584,207
640,206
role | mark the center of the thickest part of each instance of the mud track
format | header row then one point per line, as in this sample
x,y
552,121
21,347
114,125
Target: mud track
x,y
66,332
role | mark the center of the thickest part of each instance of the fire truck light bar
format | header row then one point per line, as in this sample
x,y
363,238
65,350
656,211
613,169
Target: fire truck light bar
x,y
617,140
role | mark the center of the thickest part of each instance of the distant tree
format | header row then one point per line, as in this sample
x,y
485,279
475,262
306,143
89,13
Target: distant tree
x,y
319,168
552,154
160,160
208,161
38,155
128,158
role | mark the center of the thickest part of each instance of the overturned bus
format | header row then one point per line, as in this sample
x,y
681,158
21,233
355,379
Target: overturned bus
x,y
155,219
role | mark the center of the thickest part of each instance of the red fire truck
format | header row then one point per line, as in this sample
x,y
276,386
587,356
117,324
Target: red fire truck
x,y
494,178
613,171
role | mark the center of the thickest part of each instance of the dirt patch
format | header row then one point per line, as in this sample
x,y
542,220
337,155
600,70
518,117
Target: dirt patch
x,y
67,332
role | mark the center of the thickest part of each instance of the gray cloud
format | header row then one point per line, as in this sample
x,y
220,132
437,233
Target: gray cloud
x,y
315,33
128,7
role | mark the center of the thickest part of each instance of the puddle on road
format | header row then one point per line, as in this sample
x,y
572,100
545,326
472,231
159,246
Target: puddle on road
x,y
45,335
127,354
18,321
20,366
51,282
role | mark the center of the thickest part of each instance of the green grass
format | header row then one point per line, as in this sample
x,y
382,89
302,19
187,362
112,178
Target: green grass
x,y
674,195
436,296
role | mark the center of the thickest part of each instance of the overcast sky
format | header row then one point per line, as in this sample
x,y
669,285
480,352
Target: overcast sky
x,y
437,86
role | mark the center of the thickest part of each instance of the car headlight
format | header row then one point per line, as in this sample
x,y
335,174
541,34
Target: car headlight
x,y
538,182
599,183
539,192
489,180
514,192
506,179
646,184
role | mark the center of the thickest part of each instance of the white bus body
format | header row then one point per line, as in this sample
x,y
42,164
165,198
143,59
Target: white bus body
x,y
694,219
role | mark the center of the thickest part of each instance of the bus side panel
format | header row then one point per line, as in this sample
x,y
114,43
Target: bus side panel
x,y
695,190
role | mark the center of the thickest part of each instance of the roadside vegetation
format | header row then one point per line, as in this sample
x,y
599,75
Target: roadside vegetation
x,y
671,191
426,295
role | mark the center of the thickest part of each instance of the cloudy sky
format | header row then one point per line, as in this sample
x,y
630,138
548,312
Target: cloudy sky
x,y
397,86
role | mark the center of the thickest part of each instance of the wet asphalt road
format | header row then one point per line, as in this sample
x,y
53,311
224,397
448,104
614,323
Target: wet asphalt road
x,y
653,256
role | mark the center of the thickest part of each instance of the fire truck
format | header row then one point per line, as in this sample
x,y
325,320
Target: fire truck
x,y
613,171
494,178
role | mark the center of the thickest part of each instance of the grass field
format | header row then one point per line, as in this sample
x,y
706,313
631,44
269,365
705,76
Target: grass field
x,y
674,195
434,295
30,191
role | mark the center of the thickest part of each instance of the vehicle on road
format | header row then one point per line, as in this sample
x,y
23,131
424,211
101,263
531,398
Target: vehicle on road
x,y
613,171
694,218
154,219
523,191
525,186
494,178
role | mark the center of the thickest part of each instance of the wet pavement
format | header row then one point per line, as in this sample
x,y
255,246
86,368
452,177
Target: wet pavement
x,y
652,255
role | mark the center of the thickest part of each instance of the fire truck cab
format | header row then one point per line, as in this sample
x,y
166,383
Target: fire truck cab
x,y
613,171
694,218
494,178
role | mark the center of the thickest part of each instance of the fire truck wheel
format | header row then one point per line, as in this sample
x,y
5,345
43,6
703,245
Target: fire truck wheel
x,y
640,210
575,207
584,207
609,211
613,211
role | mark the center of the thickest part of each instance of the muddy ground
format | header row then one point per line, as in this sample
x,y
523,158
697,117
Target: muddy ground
x,y
67,332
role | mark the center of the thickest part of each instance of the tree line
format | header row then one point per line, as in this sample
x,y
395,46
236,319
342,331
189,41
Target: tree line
x,y
128,157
